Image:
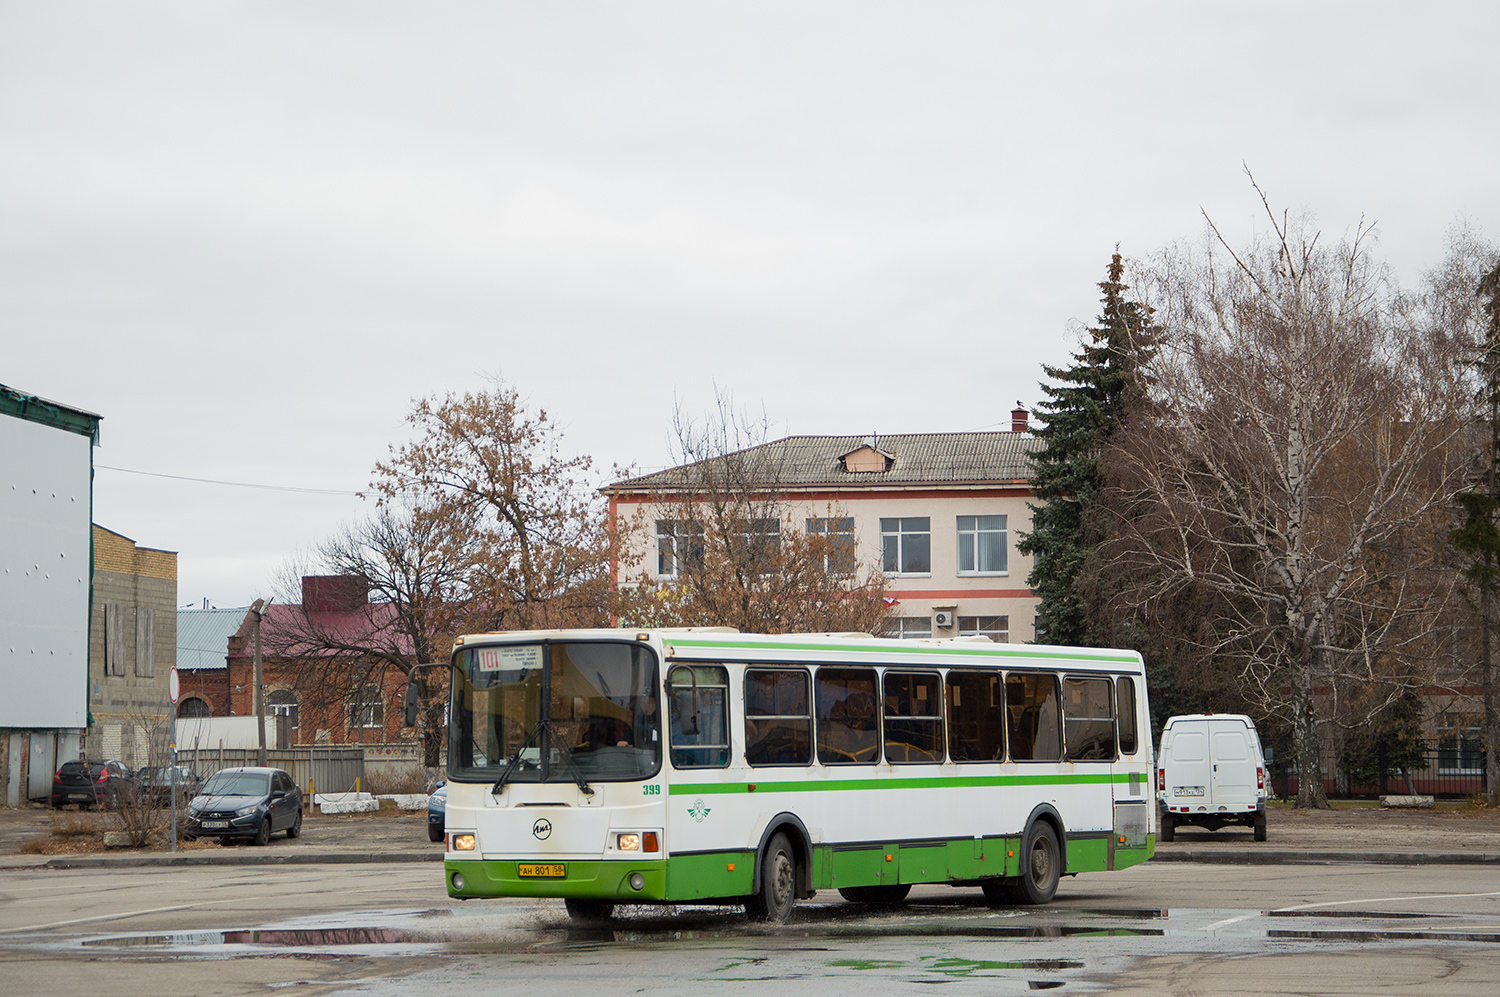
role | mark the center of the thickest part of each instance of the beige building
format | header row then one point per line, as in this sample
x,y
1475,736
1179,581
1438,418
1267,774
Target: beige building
x,y
132,650
940,513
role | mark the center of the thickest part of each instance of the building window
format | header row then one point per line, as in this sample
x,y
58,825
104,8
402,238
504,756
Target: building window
x,y
192,707
760,539
908,627
981,545
366,709
996,628
906,545
145,642
114,639
283,703
838,548
677,542
1460,744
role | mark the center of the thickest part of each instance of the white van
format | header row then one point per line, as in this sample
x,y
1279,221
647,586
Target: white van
x,y
1210,773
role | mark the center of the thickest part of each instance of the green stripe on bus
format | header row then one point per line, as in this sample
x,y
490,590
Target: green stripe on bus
x,y
951,782
997,652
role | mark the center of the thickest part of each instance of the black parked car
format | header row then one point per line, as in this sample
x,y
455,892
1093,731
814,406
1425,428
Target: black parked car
x,y
155,783
250,803
90,784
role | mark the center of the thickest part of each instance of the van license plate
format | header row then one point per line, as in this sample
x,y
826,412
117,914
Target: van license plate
x,y
543,871
1188,790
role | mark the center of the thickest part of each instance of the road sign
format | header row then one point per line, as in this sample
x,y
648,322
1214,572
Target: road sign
x,y
173,686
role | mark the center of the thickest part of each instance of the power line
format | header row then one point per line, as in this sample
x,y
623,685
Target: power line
x,y
233,484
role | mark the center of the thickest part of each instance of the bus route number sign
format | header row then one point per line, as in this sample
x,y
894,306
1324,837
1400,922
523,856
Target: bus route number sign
x,y
494,659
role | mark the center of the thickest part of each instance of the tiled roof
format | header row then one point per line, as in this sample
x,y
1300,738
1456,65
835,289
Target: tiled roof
x,y
920,459
203,635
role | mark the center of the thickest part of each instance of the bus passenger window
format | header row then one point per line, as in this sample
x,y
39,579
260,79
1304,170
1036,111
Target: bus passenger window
x,y
1125,713
778,721
976,717
1088,720
913,718
698,716
1035,720
848,716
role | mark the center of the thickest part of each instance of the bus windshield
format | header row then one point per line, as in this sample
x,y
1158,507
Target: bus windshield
x,y
555,712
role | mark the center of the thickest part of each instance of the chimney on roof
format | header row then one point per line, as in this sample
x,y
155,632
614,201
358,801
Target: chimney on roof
x,y
1020,419
334,593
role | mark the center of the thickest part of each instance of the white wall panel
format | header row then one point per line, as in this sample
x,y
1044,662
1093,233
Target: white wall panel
x,y
44,575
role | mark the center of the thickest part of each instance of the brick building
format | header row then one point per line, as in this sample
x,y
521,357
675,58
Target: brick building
x,y
132,649
326,696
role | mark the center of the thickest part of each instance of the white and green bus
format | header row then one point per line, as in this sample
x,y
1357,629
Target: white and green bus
x,y
613,767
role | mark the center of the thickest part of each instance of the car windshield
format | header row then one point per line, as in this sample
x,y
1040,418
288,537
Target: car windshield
x,y
550,712
238,784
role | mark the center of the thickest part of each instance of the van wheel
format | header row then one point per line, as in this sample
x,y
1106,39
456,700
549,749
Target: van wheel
x,y
1260,826
589,911
1040,867
778,884
1168,830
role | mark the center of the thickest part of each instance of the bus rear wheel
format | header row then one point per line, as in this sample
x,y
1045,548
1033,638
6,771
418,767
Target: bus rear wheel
x,y
778,884
1041,867
589,911
885,895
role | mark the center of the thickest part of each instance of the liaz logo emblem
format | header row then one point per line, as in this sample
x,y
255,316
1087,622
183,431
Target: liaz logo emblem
x,y
542,829
698,811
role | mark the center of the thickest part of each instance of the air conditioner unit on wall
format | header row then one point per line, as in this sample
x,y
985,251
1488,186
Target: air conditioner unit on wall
x,y
942,618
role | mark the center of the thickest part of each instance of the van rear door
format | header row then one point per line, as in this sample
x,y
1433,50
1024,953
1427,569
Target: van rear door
x,y
1188,769
1233,764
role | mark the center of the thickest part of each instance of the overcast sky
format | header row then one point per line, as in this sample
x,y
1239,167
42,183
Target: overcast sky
x,y
249,234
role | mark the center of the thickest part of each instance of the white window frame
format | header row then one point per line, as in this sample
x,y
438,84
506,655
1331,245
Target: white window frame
x,y
974,626
897,536
670,535
970,538
363,707
909,627
837,529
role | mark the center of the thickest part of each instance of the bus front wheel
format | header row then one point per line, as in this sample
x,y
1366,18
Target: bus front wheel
x,y
778,884
1041,867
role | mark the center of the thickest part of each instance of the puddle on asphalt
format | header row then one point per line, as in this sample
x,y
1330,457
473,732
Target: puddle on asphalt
x,y
1387,936
1369,915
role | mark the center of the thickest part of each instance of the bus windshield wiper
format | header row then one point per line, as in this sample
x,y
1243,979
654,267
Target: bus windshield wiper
x,y
512,762
554,740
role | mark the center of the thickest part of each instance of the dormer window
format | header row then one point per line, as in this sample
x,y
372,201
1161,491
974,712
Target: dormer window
x,y
867,459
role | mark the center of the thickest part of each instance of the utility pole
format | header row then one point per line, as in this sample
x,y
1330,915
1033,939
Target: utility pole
x,y
258,690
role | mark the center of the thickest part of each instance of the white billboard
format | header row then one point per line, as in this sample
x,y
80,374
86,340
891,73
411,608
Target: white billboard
x,y
45,533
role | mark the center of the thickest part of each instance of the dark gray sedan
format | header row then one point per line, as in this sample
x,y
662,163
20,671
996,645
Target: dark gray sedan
x,y
245,803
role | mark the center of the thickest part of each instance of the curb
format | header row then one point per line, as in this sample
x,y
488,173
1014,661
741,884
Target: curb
x,y
1326,858
294,858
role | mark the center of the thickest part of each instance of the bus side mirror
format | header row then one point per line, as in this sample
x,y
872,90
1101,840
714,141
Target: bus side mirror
x,y
413,698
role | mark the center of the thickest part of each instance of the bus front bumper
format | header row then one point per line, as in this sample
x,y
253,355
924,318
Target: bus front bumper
x,y
594,879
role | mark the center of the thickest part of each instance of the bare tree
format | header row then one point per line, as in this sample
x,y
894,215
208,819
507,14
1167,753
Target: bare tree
x,y
734,551
494,484
416,597
1299,463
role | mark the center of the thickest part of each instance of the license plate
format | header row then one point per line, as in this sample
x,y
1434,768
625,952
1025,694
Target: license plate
x,y
80,796
1188,790
530,871
216,823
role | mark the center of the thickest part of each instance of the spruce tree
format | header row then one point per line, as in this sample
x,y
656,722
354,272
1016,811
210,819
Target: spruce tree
x,y
1085,404
1478,538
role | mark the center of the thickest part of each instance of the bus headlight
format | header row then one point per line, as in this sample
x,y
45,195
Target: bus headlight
x,y
463,842
628,842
